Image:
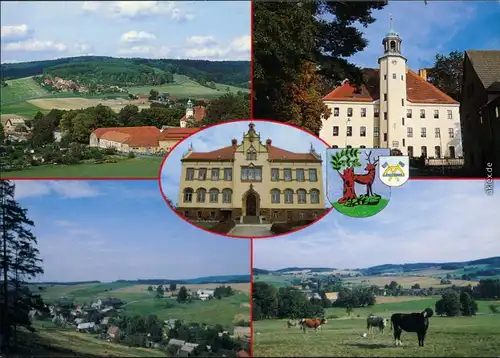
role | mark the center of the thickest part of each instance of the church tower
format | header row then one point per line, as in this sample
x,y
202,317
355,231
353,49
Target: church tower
x,y
189,114
392,72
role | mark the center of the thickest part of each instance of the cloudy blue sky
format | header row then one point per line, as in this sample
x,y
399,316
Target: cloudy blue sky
x,y
44,30
425,221
110,230
212,138
438,27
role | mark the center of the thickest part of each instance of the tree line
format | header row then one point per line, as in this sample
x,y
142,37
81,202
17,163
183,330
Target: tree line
x,y
235,73
292,76
110,73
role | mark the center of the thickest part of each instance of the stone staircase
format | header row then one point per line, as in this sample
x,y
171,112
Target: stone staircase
x,y
251,220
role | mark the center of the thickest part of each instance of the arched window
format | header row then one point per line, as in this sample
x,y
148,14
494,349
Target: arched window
x,y
393,45
288,196
188,195
214,195
301,196
314,196
251,154
275,196
200,195
227,195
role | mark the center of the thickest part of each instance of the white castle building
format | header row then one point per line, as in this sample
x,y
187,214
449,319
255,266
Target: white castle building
x,y
395,108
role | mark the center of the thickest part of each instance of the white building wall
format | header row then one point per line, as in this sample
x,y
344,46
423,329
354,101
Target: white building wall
x,y
409,134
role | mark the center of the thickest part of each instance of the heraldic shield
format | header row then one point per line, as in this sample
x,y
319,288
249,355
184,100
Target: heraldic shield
x,y
353,186
394,170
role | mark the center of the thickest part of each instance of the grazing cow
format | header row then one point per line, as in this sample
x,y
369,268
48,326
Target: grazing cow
x,y
291,323
312,323
411,322
376,321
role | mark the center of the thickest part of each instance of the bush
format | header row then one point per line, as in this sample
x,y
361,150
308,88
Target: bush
x,y
280,228
131,155
223,227
110,151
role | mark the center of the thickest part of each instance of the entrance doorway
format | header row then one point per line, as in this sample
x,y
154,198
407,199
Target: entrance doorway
x,y
251,205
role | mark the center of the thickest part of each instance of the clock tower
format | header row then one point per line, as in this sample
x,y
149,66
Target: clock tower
x,y
392,72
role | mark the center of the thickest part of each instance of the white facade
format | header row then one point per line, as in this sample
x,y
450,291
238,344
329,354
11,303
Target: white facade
x,y
394,121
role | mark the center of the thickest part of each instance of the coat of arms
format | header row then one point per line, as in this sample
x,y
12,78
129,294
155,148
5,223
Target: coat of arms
x,y
353,186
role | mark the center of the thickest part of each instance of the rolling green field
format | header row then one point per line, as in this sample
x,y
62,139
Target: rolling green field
x,y
138,301
447,337
186,87
23,109
20,90
125,168
14,97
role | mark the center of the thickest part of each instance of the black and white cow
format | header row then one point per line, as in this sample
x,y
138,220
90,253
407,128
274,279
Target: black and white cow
x,y
411,322
376,321
291,323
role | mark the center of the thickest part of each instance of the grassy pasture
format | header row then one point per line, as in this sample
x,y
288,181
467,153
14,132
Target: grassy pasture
x,y
185,87
125,168
20,90
457,337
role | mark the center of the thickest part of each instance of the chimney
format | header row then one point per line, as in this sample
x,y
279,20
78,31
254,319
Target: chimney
x,y
234,142
423,73
269,142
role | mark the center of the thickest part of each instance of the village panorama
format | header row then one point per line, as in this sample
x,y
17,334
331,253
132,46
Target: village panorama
x,y
51,308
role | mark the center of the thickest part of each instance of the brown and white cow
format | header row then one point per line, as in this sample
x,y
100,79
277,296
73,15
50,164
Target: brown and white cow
x,y
312,323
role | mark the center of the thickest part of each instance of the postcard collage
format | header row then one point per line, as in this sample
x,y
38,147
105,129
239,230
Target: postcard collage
x,y
248,179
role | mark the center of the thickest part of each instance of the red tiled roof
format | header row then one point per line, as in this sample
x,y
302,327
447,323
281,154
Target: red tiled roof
x,y
146,136
418,90
275,154
177,133
199,113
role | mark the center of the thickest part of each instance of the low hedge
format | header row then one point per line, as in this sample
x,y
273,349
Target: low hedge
x,y
223,227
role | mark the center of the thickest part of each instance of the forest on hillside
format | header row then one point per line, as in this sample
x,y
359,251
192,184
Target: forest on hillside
x,y
234,73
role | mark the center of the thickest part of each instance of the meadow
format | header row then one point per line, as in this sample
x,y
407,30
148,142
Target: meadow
x,y
147,168
342,335
24,97
186,87
139,301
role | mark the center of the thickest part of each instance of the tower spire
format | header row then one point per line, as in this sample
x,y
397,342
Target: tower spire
x,y
391,20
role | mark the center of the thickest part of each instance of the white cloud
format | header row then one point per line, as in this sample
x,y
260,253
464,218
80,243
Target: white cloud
x,y
137,9
83,48
136,50
137,36
425,33
36,46
207,47
16,32
425,221
201,40
63,188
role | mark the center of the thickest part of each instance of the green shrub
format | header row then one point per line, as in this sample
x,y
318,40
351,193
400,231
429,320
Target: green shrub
x,y
223,227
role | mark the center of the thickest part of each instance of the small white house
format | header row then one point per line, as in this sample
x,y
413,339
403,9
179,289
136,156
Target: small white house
x,y
86,327
205,294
